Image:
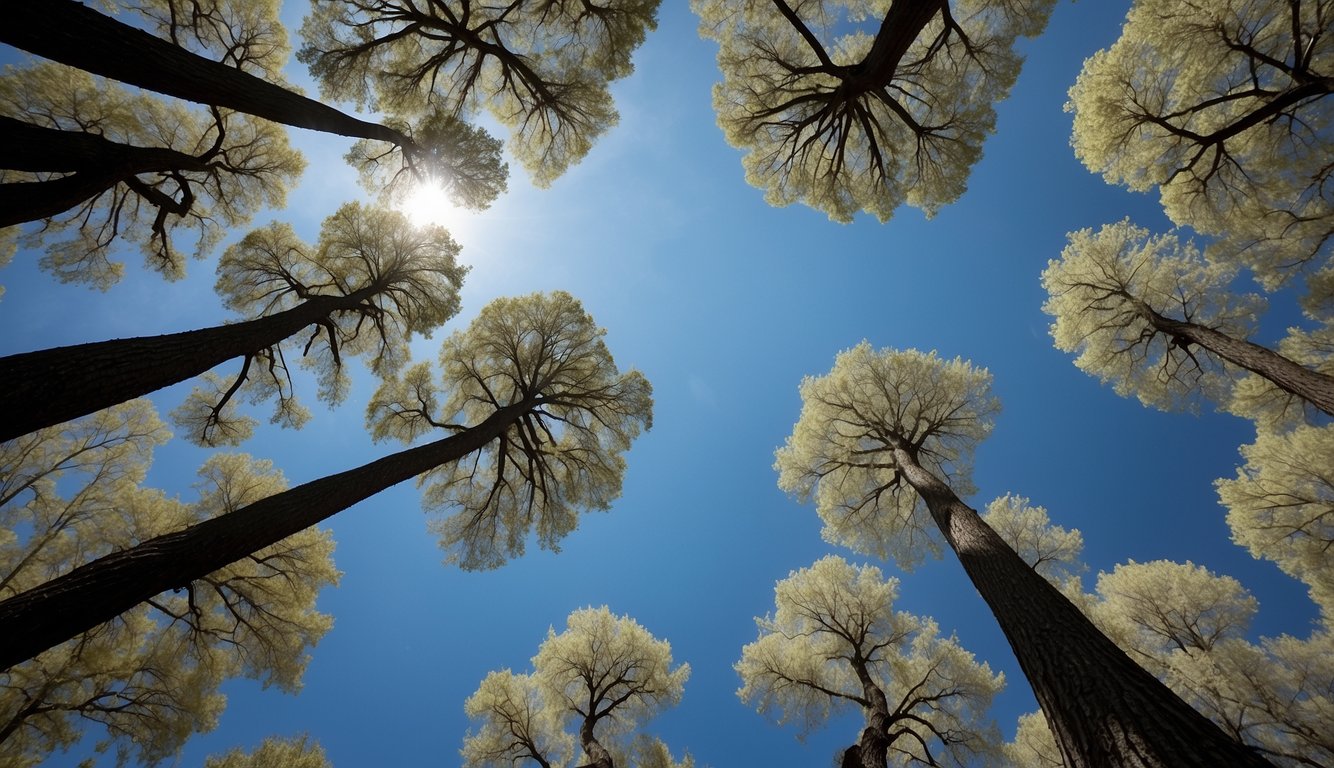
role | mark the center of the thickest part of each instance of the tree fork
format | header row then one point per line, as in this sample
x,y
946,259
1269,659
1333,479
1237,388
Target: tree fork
x,y
65,607
1104,709
70,33
47,387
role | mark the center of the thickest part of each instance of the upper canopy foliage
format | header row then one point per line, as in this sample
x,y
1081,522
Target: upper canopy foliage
x,y
542,353
541,68
1224,105
849,105
853,418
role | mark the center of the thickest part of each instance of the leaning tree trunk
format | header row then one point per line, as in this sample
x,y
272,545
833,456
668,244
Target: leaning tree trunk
x,y
95,164
598,756
70,33
1312,386
903,22
1104,709
67,606
50,386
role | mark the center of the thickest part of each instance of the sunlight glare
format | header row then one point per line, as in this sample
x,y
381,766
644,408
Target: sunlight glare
x,y
427,203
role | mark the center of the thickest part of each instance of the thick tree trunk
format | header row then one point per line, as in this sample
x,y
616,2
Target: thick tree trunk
x,y
65,607
1105,710
51,386
903,23
70,33
96,164
1312,386
598,756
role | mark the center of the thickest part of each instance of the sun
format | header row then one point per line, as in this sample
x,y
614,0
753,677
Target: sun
x,y
426,203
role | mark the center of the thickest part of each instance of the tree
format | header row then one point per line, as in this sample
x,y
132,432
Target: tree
x,y
371,282
836,641
1223,105
864,105
1050,550
1153,317
102,163
1281,505
882,442
549,417
299,752
96,43
149,677
540,68
605,676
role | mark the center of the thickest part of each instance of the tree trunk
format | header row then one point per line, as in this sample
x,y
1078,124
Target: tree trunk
x,y
51,386
70,33
598,756
96,164
903,22
1105,710
1312,386
69,605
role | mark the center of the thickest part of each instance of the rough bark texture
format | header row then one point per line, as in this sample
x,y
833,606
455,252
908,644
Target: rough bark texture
x,y
1105,710
67,606
51,386
1312,386
96,164
598,756
70,33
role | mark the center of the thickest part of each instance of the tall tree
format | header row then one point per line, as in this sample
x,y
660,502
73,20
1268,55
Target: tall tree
x,y
1281,506
836,641
541,68
102,164
1151,315
150,677
863,105
604,676
1224,105
543,413
883,441
71,33
370,283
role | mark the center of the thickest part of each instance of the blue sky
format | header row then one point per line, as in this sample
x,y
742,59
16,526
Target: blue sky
x,y
724,303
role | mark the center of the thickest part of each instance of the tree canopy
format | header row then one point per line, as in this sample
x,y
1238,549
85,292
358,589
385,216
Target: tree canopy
x,y
864,105
149,678
542,69
604,677
1223,105
835,641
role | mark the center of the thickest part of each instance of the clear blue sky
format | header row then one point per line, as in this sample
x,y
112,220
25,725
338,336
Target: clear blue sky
x,y
724,303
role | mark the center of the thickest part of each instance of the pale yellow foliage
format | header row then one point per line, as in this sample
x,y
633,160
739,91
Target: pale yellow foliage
x,y
1049,549
274,752
1034,745
544,354
840,452
824,122
604,673
832,618
1281,505
150,677
1224,105
1103,292
542,69
245,164
517,724
246,34
396,280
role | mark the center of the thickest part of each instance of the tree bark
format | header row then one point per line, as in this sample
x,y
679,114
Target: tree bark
x,y
1312,386
69,605
598,756
51,386
1105,710
903,22
70,33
